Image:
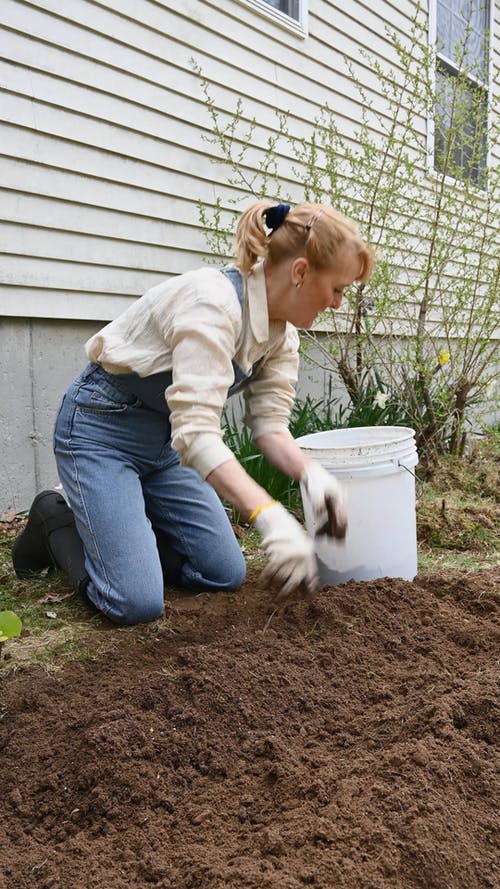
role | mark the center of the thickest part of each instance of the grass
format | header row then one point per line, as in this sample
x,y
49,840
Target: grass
x,y
458,513
432,562
58,625
458,528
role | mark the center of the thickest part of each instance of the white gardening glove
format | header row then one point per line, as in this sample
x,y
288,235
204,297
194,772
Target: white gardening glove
x,y
327,500
291,560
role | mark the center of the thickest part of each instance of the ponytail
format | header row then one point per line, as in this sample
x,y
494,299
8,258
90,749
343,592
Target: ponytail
x,y
315,231
251,238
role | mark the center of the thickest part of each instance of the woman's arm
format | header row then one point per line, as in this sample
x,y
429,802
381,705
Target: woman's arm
x,y
283,452
291,559
232,483
324,492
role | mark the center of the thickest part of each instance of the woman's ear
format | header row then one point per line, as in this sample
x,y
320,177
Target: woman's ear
x,y
298,269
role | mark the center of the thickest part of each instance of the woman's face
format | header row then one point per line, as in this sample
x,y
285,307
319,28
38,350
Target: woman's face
x,y
319,290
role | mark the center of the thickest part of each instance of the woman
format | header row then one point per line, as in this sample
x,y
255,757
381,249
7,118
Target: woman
x,y
138,438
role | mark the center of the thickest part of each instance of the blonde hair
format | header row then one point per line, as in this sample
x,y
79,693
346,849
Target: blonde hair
x,y
315,231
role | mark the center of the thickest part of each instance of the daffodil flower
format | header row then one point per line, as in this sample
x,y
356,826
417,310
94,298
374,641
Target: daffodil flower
x,y
443,357
380,399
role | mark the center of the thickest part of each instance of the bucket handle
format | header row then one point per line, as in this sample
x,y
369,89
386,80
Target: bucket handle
x,y
419,484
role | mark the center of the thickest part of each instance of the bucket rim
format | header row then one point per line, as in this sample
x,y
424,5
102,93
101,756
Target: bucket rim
x,y
357,436
385,466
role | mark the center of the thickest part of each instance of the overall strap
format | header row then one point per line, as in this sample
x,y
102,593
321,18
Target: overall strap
x,y
240,377
151,389
236,278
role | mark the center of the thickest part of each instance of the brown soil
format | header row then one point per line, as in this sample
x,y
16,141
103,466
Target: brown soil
x,y
348,744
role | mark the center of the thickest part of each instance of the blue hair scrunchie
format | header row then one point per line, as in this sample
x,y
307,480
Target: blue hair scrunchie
x,y
275,216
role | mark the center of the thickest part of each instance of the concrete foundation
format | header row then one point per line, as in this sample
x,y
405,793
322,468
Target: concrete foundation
x,y
38,359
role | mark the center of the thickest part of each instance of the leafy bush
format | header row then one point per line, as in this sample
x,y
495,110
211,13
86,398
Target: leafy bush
x,y
435,289
308,416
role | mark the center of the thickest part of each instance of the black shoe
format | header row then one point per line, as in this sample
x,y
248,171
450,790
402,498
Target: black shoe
x,y
31,552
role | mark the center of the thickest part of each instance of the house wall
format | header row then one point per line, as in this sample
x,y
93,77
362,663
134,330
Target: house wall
x,y
103,160
103,123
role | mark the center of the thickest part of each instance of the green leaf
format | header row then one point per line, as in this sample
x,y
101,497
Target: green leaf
x,y
10,625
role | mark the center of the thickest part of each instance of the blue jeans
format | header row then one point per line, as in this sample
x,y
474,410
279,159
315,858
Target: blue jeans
x,y
122,478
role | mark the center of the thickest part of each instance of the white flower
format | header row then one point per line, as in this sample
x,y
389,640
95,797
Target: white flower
x,y
380,399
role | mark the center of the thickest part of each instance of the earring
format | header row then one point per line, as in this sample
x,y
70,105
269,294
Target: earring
x,y
298,283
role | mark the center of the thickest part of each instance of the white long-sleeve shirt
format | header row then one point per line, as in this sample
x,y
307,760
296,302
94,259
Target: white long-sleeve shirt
x,y
193,326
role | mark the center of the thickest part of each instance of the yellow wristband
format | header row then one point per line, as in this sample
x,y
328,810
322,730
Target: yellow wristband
x,y
260,509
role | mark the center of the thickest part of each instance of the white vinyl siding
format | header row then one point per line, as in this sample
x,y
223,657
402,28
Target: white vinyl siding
x,y
102,119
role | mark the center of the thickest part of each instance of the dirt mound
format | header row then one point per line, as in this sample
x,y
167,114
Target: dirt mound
x,y
350,743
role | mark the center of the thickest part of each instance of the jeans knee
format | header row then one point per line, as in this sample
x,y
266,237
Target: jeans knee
x,y
229,572
225,574
132,613
237,575
128,610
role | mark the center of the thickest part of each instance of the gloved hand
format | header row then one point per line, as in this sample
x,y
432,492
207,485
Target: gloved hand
x,y
327,500
291,560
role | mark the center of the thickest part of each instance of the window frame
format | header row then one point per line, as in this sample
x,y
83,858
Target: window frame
x,y
445,63
297,26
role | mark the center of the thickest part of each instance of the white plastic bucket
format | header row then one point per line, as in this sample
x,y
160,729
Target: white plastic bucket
x,y
375,466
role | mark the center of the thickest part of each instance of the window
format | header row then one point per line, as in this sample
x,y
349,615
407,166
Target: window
x,y
290,13
288,7
461,94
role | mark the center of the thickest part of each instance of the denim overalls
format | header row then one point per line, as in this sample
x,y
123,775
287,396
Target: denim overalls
x,y
122,479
